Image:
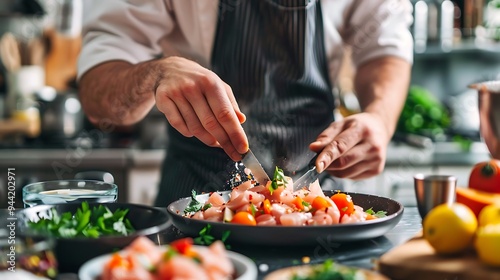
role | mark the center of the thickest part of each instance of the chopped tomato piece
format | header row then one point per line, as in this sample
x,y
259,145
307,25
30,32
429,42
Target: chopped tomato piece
x,y
344,203
299,203
266,205
320,202
244,218
370,217
182,245
118,261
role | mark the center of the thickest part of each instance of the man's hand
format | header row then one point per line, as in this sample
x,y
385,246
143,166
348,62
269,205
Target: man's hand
x,y
353,148
198,103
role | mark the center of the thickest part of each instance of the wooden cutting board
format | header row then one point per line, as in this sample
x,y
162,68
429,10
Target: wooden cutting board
x,y
416,259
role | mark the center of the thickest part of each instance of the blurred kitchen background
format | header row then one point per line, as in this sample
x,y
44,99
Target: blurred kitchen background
x,y
44,134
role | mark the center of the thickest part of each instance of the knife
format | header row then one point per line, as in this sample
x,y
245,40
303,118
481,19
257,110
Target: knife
x,y
309,177
251,162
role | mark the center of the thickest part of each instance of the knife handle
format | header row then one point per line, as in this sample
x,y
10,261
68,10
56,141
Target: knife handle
x,y
312,163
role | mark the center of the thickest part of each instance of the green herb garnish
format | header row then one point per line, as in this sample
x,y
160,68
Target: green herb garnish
x,y
253,209
205,238
194,205
379,214
329,270
278,180
225,235
207,206
85,222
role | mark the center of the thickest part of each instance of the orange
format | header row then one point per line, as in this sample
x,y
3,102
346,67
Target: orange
x,y
476,200
450,229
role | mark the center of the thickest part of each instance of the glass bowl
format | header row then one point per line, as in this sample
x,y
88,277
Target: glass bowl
x,y
31,258
69,191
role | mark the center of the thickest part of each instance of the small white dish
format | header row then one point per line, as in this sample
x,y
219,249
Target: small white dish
x,y
245,267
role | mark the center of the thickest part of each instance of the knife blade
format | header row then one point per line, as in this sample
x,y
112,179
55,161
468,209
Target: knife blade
x,y
309,177
252,163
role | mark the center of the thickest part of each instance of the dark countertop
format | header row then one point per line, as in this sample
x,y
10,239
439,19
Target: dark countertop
x,y
359,254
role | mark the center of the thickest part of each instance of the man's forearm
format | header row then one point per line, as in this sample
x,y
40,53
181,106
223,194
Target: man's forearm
x,y
117,92
381,86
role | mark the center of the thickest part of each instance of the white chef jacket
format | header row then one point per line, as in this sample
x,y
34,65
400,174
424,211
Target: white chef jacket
x,y
139,30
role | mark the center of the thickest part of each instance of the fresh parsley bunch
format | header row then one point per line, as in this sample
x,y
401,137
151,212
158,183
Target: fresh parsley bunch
x,y
86,222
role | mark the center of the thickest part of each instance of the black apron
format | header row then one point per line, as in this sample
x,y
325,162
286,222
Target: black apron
x,y
271,53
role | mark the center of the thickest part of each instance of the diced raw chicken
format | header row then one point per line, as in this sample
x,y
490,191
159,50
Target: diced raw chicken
x,y
243,208
244,199
215,261
181,267
295,219
276,196
144,246
258,189
216,199
198,216
214,213
133,264
289,183
283,203
241,188
265,220
321,219
305,195
278,209
357,216
315,189
334,212
310,194
121,273
287,197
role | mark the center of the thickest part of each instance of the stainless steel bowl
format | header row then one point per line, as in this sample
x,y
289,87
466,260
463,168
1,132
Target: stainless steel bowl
x,y
489,115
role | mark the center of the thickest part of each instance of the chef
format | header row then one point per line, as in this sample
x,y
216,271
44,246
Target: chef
x,y
234,74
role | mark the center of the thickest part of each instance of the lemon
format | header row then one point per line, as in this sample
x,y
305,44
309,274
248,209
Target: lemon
x,y
487,244
450,229
489,215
